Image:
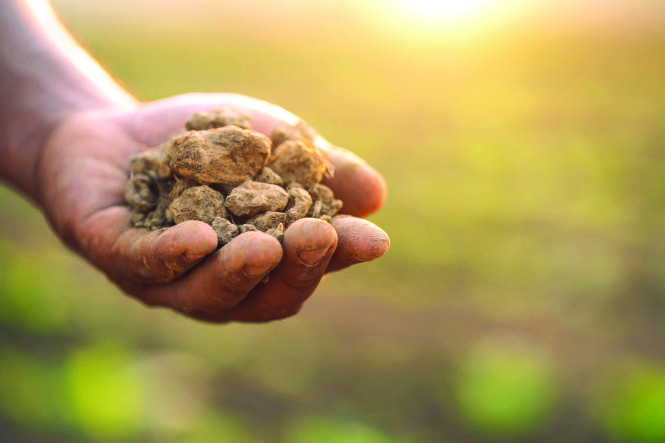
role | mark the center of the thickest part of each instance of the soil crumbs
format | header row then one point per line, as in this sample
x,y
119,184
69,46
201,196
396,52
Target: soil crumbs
x,y
222,173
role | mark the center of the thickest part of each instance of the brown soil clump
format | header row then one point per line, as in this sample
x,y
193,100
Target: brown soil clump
x,y
225,156
253,198
198,203
235,179
296,162
217,119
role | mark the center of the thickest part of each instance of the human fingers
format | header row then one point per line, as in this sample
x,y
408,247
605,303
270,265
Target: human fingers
x,y
358,241
308,246
361,188
220,282
139,256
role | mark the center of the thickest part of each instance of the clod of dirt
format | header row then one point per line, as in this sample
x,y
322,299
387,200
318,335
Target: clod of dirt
x,y
149,160
198,203
325,202
269,176
268,220
235,179
178,187
225,156
225,230
140,193
301,131
155,219
252,198
217,119
299,203
278,232
246,228
297,162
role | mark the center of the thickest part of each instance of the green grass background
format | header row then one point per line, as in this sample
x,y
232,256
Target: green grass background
x,y
523,297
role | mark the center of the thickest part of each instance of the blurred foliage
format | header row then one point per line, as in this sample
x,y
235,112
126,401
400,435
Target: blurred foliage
x,y
216,427
104,393
324,430
630,402
526,214
32,300
32,393
505,391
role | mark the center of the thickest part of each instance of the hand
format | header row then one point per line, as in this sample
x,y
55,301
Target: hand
x,y
81,177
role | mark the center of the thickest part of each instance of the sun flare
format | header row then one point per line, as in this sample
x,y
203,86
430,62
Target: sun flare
x,y
444,12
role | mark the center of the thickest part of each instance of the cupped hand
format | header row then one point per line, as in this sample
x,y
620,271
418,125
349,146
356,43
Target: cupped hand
x,y
81,177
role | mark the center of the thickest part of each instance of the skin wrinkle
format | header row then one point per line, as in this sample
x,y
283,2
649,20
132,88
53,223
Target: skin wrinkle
x,y
231,284
323,251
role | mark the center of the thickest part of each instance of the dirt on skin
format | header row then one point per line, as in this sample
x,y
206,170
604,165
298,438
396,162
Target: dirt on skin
x,y
222,173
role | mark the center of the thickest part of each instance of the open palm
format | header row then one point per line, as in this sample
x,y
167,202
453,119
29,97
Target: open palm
x,y
82,176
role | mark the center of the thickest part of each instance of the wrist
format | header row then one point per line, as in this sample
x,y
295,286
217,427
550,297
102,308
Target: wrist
x,y
47,78
28,128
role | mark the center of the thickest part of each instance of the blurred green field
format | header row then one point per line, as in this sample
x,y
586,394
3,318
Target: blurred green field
x,y
523,297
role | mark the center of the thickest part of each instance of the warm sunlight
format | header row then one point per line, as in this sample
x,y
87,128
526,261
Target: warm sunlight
x,y
444,12
45,17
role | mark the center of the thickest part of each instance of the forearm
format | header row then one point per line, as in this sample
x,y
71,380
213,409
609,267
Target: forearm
x,y
45,77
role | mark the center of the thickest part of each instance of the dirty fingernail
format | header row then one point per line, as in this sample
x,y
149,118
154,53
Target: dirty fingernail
x,y
253,271
311,257
195,255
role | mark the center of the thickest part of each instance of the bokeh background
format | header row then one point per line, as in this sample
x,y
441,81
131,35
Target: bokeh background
x,y
523,298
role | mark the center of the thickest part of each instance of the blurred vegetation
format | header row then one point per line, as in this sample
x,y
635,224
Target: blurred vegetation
x,y
522,300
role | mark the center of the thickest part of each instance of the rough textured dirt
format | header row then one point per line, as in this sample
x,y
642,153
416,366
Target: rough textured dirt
x,y
235,179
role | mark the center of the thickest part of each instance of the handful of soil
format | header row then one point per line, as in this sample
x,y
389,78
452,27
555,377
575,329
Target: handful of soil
x,y
233,178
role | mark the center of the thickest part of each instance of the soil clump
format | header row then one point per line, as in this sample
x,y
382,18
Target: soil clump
x,y
221,172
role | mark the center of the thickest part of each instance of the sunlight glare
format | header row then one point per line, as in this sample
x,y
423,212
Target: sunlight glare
x,y
50,25
444,12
